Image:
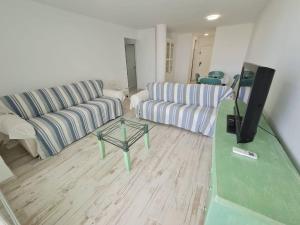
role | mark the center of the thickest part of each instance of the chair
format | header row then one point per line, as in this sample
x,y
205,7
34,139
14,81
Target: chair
x,y
246,82
209,80
235,80
216,74
248,75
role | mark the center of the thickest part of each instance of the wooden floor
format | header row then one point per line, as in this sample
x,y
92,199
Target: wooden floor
x,y
167,185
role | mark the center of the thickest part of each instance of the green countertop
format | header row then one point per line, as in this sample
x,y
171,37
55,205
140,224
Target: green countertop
x,y
268,186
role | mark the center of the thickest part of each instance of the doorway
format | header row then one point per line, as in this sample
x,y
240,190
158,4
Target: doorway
x,y
202,54
131,65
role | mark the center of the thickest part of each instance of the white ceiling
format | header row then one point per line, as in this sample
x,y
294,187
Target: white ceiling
x,y
179,15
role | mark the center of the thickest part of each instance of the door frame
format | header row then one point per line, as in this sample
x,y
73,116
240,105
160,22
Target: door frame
x,y
130,41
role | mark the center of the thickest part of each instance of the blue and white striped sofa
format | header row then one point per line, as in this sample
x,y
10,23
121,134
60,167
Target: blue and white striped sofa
x,y
189,106
64,114
244,93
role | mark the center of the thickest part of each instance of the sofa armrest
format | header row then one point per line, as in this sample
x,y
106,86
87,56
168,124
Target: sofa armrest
x,y
114,94
15,127
137,98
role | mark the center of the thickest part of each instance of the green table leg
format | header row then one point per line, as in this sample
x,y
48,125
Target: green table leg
x,y
146,136
102,149
123,130
146,140
101,145
127,160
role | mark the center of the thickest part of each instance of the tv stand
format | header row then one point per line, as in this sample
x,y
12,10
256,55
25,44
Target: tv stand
x,y
246,191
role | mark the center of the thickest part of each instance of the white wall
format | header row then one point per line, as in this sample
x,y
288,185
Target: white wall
x,y
183,44
230,48
276,44
42,46
145,57
161,44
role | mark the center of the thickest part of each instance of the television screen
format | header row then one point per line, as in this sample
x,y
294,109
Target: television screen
x,y
245,84
253,88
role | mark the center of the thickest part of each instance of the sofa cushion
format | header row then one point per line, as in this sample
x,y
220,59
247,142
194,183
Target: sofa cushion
x,y
57,130
63,96
189,117
191,94
91,88
75,96
33,103
113,106
39,102
244,94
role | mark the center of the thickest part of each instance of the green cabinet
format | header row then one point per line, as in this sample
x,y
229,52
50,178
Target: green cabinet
x,y
244,191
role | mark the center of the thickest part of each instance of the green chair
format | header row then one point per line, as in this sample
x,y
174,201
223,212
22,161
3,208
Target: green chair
x,y
246,82
248,75
216,74
210,81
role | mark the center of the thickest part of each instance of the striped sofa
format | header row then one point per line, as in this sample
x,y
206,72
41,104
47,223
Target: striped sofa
x,y
244,93
64,114
188,106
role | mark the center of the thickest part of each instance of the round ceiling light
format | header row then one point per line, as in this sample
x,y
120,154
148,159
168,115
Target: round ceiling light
x,y
213,17
206,34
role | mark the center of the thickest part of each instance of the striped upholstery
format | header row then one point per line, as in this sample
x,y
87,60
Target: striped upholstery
x,y
191,94
190,117
57,130
61,115
188,106
244,93
39,102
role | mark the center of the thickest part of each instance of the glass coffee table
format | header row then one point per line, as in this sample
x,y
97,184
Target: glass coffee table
x,y
123,133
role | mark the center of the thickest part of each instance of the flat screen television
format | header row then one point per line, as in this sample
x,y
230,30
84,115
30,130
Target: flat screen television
x,y
251,94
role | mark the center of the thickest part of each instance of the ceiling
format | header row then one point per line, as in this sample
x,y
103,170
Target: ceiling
x,y
179,15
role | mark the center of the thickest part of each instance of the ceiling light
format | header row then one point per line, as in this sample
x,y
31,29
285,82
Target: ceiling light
x,y
206,34
213,17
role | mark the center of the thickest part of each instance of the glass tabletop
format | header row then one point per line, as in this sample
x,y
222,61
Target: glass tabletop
x,y
123,132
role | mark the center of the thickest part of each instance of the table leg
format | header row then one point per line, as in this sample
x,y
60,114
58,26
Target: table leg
x,y
127,160
146,140
146,136
8,209
123,132
102,148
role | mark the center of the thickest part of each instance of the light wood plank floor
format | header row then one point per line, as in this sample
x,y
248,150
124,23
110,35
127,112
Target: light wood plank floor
x,y
167,185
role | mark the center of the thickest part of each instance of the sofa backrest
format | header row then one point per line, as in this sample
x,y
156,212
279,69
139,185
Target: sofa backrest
x,y
191,94
39,102
244,93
